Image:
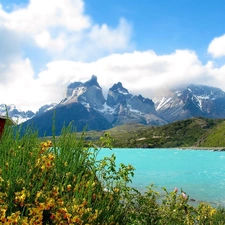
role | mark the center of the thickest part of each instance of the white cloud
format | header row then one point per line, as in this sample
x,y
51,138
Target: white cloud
x,y
61,30
42,14
99,41
79,48
47,22
108,38
217,47
45,41
65,31
9,45
19,86
140,73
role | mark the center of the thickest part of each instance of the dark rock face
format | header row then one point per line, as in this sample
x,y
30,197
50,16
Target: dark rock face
x,y
92,82
144,105
117,94
128,108
74,113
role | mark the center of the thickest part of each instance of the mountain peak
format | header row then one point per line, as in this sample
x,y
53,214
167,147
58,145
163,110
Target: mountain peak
x,y
88,93
92,82
119,88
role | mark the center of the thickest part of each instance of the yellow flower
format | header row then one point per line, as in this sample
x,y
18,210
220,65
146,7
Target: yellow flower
x,y
50,202
2,213
69,187
49,143
1,179
45,144
39,193
20,196
116,190
43,167
14,218
76,219
51,156
55,191
213,211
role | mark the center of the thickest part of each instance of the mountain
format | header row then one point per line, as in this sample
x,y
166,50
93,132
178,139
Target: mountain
x,y
123,107
62,115
17,115
190,101
88,94
120,107
45,108
85,104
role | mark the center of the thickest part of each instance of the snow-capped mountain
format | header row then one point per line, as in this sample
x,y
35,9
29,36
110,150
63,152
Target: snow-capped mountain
x,y
120,106
88,94
85,104
45,108
17,115
190,101
128,108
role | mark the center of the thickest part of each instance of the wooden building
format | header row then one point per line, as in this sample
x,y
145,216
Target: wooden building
x,y
3,121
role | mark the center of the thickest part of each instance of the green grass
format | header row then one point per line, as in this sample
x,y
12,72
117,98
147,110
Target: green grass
x,y
214,137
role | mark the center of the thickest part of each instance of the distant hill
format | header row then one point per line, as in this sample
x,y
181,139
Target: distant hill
x,y
184,133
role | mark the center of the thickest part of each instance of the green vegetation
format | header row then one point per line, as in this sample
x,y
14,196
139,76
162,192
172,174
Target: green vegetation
x,y
62,182
214,137
185,133
59,181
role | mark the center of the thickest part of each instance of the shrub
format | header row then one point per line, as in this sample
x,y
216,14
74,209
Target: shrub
x,y
59,181
63,182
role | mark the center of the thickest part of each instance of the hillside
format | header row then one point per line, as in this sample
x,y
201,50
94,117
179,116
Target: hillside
x,y
184,133
214,137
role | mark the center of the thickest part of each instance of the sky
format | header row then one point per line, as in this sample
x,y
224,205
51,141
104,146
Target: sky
x,y
145,44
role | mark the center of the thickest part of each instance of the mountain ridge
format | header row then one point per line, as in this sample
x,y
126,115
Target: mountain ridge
x,y
121,107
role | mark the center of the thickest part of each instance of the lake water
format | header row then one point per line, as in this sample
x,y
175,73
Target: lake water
x,y
200,173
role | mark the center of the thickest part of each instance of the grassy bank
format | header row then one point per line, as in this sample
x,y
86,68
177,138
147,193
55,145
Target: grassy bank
x,y
62,182
197,132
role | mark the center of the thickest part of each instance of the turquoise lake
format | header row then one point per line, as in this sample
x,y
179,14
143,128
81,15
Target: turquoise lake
x,y
200,173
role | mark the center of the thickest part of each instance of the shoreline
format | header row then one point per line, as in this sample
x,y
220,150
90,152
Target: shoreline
x,y
216,149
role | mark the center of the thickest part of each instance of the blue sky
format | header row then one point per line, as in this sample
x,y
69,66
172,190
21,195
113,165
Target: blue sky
x,y
145,44
164,25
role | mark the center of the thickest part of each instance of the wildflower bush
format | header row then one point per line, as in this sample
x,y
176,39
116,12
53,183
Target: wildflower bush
x,y
62,182
58,181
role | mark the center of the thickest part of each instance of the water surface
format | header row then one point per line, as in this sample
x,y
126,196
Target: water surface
x,y
200,173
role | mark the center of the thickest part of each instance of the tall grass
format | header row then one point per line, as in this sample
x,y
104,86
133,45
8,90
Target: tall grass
x,y
62,182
